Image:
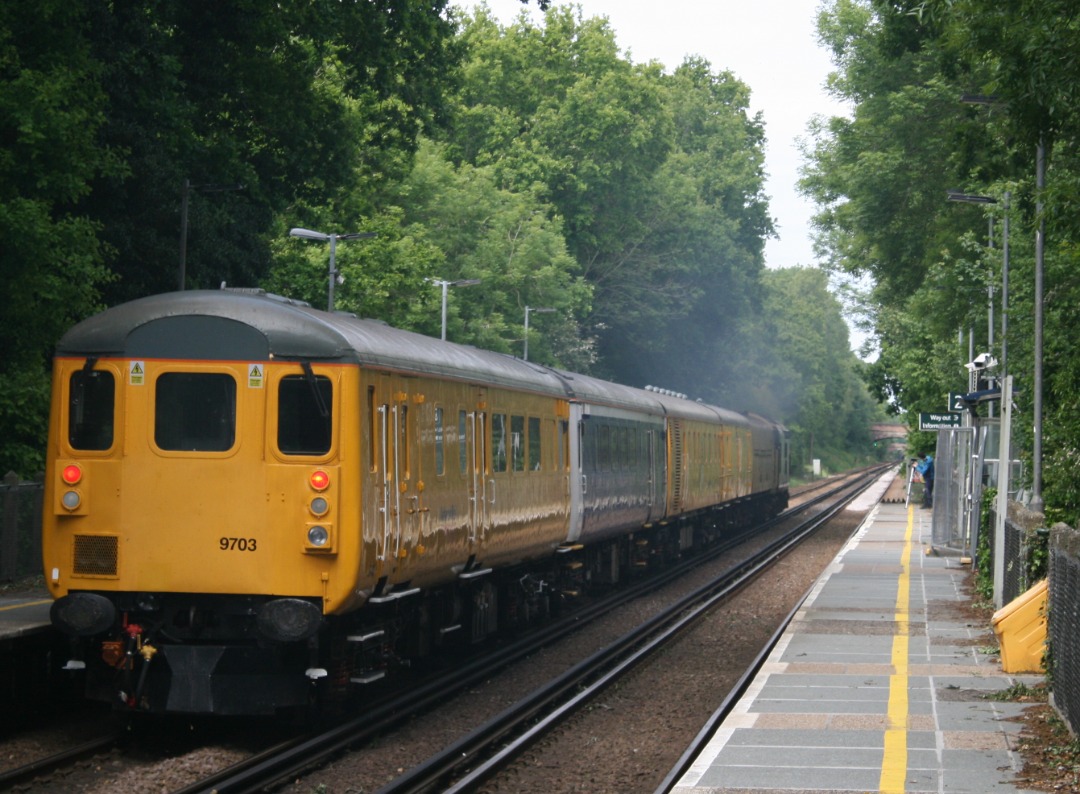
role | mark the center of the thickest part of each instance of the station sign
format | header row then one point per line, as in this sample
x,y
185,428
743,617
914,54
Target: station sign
x,y
942,421
956,402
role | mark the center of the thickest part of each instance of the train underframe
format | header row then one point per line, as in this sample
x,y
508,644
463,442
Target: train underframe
x,y
211,654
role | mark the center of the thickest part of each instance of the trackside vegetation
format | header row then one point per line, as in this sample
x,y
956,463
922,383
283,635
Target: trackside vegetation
x,y
959,95
536,158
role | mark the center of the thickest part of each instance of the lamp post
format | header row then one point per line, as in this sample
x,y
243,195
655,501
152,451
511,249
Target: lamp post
x,y
465,282
955,195
1036,504
185,191
308,234
534,310
1005,439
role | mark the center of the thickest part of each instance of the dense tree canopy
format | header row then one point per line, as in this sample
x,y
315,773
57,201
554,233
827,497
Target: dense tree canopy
x,y
881,177
536,159
658,179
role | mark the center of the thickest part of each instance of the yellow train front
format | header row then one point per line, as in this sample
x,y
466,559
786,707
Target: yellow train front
x,y
231,476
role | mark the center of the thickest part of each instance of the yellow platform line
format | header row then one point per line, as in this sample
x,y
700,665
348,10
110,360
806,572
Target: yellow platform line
x,y
26,604
894,762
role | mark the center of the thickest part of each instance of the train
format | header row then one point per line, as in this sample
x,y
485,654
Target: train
x,y
253,506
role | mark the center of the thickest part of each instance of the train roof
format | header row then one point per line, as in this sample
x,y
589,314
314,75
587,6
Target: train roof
x,y
251,325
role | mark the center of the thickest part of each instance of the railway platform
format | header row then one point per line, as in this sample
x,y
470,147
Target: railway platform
x,y
882,682
23,614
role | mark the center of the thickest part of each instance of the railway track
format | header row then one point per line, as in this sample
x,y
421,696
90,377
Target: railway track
x,y
289,759
547,704
487,749
45,767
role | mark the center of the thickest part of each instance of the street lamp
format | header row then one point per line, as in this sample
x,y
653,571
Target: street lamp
x,y
465,282
308,234
529,309
1005,439
1036,503
956,195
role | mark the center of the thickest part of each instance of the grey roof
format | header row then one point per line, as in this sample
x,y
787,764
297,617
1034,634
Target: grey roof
x,y
252,325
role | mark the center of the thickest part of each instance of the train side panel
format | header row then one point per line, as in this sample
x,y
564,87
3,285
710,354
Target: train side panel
x,y
458,478
621,466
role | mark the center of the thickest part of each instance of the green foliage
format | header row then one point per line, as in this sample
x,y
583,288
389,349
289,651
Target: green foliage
x,y
51,109
295,106
984,572
657,180
452,223
811,377
535,158
880,179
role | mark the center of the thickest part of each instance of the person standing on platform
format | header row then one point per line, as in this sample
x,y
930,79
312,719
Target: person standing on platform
x,y
925,467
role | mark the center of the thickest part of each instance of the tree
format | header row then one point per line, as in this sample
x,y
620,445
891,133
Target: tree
x,y
879,179
51,109
107,108
453,222
297,106
664,212
816,382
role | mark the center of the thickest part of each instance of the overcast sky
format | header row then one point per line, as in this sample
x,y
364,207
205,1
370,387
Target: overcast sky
x,y
771,45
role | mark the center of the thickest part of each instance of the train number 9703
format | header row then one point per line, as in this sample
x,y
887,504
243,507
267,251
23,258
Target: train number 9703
x,y
237,544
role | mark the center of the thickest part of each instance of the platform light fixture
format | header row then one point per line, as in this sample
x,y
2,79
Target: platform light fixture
x,y
1036,502
465,282
532,310
968,198
309,234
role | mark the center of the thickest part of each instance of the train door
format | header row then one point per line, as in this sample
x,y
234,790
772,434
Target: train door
x,y
578,478
398,507
656,510
477,468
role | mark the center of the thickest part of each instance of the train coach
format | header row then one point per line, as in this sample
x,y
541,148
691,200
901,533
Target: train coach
x,y
252,505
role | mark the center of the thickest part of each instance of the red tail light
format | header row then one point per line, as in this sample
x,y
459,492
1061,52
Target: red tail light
x,y
71,474
320,480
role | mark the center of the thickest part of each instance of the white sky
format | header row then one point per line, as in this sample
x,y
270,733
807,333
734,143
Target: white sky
x,y
771,45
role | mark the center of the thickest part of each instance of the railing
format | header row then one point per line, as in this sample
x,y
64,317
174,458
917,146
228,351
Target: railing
x,y
20,527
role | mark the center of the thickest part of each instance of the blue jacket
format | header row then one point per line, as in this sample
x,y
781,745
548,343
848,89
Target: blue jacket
x,y
925,467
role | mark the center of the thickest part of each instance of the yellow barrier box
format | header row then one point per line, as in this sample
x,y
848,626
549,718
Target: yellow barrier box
x,y
1020,627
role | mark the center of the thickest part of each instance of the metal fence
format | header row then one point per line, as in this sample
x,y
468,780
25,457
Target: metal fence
x,y
1025,537
20,527
1064,622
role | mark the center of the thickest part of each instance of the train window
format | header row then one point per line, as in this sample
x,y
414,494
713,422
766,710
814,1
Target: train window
x,y
534,444
305,423
463,447
195,412
498,442
440,463
91,397
517,441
